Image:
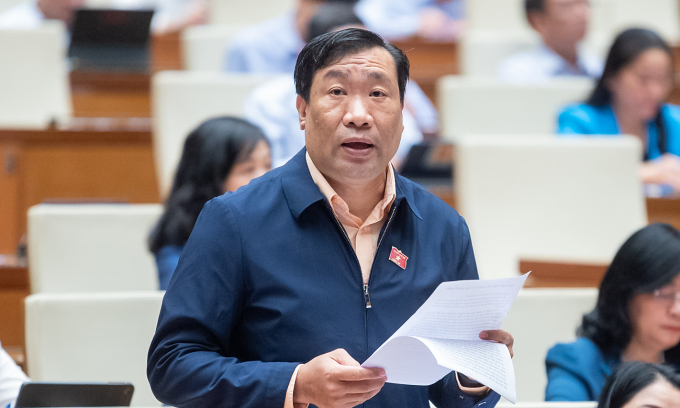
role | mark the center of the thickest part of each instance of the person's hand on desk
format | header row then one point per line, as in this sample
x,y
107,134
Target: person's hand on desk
x,y
662,170
335,379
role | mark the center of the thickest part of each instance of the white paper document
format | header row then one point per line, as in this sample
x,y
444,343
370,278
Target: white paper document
x,y
443,336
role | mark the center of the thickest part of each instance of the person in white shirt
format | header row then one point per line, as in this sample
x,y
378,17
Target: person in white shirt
x,y
562,25
11,378
434,20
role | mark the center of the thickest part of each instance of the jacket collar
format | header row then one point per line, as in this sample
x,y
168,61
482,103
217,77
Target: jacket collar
x,y
301,192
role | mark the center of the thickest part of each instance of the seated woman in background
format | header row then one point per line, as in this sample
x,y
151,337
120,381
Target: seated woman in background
x,y
636,318
641,385
629,99
221,155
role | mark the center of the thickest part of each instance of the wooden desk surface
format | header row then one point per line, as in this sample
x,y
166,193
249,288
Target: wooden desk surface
x,y
430,61
95,159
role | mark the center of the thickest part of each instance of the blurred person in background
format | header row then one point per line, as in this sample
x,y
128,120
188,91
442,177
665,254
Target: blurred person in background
x,y
641,385
11,378
271,106
273,45
562,25
170,15
220,155
433,20
629,99
636,318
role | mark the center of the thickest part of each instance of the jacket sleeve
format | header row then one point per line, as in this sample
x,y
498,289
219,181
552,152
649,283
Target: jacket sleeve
x,y
189,362
445,393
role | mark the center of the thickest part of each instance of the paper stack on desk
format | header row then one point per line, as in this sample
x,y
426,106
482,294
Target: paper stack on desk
x,y
443,336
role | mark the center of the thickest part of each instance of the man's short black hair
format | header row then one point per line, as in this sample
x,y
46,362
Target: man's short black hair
x,y
533,5
327,49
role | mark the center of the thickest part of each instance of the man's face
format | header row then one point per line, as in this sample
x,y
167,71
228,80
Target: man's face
x,y
353,120
562,20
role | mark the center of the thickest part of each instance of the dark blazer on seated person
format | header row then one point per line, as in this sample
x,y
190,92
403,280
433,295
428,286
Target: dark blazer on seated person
x,y
258,292
584,119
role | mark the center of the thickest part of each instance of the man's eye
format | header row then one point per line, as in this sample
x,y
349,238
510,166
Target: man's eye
x,y
336,92
377,94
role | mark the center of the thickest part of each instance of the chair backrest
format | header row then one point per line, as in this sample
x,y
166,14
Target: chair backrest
x,y
547,197
247,12
658,15
34,80
504,15
181,100
91,247
204,47
482,51
473,106
92,337
539,319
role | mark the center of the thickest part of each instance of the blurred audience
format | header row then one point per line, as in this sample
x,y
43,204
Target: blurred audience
x,y
629,99
434,20
636,318
220,155
272,105
641,385
170,15
562,24
11,378
273,45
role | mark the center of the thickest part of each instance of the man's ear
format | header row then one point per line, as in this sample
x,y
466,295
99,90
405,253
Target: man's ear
x,y
301,106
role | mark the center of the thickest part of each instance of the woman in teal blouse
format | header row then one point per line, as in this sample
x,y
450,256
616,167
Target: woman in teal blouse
x,y
629,99
636,318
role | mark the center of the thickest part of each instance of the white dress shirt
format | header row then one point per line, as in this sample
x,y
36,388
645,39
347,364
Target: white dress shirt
x,y
396,19
543,63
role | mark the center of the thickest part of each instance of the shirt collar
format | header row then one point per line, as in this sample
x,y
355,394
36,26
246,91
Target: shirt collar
x,y
560,66
301,192
330,194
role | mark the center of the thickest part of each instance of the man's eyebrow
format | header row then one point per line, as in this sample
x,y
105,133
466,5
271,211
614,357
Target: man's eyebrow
x,y
336,73
377,75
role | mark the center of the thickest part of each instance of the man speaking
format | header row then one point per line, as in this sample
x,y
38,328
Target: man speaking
x,y
290,282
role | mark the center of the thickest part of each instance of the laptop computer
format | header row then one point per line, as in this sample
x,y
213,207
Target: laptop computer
x,y
111,40
42,394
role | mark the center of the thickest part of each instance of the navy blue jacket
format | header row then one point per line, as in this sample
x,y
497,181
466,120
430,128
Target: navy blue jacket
x,y
268,280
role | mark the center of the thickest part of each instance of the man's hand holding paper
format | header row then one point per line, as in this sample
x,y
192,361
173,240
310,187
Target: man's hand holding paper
x,y
445,334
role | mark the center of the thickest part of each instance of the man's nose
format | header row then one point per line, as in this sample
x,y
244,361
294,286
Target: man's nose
x,y
357,114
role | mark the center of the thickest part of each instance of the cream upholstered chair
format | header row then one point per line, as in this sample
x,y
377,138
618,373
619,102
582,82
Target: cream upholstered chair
x,y
181,100
33,77
204,47
247,12
92,337
539,319
501,15
474,106
91,247
547,198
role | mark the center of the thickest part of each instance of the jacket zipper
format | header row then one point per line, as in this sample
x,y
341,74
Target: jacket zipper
x,y
367,295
